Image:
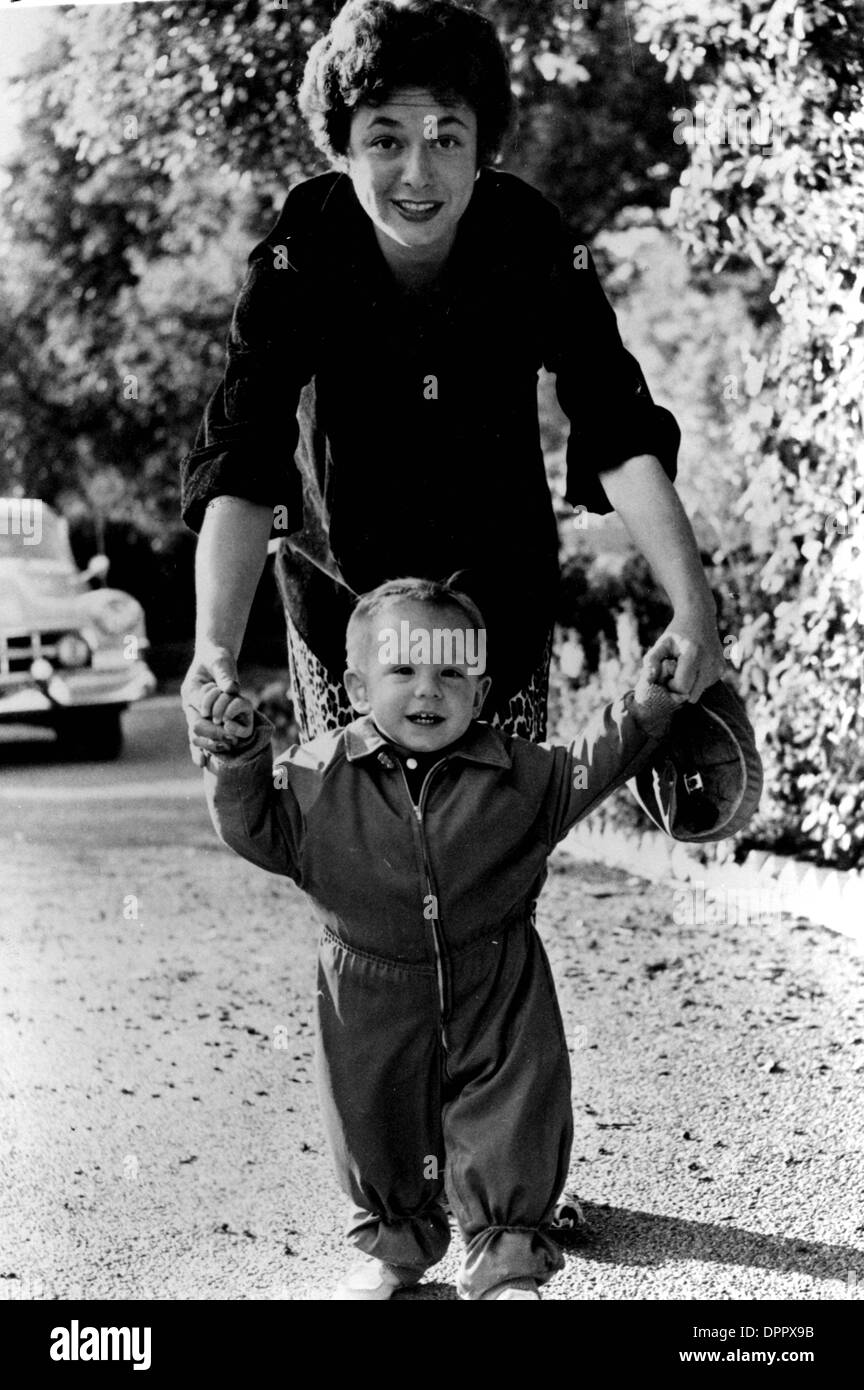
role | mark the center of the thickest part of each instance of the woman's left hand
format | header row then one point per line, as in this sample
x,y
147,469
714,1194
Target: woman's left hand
x,y
650,508
693,642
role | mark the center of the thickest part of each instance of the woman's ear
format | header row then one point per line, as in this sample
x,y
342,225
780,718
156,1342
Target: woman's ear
x,y
355,685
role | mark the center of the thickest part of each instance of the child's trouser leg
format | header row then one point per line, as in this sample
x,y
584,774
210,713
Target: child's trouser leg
x,y
508,1124
379,1066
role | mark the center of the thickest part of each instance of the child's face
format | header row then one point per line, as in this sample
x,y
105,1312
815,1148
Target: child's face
x,y
426,703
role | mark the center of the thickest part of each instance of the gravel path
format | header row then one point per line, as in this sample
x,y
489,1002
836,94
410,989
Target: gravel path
x,y
165,1141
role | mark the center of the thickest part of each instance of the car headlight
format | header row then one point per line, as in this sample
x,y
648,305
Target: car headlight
x,y
72,651
116,614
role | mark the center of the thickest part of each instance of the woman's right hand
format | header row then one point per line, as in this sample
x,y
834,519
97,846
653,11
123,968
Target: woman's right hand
x,y
205,706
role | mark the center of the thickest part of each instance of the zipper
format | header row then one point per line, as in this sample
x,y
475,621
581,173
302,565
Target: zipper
x,y
437,938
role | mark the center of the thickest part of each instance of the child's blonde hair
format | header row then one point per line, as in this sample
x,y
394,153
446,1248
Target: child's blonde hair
x,y
434,592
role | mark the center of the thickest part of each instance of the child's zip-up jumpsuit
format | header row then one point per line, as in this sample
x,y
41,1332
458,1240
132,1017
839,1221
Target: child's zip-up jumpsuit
x,y
439,1032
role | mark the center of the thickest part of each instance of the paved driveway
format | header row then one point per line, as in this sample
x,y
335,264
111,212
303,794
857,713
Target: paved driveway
x,y
162,1138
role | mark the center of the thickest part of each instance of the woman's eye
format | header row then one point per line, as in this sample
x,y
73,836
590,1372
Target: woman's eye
x,y
384,140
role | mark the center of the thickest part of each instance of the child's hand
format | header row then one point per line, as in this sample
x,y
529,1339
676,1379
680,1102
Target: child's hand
x,y
666,675
654,701
651,682
232,716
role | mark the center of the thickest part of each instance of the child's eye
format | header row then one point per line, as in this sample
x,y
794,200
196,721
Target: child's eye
x,y
453,672
402,670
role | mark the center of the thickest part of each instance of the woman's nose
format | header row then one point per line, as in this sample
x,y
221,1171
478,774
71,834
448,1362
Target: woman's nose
x,y
417,170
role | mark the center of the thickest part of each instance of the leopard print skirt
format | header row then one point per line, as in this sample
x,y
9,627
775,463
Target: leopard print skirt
x,y
321,704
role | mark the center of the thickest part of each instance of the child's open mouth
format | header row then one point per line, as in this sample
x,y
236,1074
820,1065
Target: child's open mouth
x,y
426,720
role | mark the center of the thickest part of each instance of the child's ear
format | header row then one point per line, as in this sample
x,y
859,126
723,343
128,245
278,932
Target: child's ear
x,y
482,686
355,685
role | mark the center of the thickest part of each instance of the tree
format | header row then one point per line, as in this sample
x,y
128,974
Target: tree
x,y
776,180
160,142
111,320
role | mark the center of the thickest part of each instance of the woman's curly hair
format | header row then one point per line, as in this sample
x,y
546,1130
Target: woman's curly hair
x,y
374,47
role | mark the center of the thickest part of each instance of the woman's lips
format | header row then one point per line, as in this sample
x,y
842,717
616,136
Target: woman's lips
x,y
419,210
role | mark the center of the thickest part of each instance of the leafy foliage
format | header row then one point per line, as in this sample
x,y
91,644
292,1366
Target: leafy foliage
x,y
160,140
792,207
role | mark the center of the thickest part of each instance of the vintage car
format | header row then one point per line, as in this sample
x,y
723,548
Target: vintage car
x,y
70,656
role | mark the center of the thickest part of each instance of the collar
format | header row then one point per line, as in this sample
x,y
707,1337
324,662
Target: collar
x,y
481,744
484,239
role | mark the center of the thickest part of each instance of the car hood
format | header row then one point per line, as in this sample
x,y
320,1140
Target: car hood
x,y
43,596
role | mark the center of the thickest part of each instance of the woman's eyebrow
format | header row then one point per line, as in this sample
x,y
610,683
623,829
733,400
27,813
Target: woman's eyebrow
x,y
390,121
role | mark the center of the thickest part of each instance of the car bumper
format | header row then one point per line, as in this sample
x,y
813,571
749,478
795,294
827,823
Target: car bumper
x,y
77,690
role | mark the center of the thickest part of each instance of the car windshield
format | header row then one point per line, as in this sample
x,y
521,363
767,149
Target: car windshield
x,y
31,531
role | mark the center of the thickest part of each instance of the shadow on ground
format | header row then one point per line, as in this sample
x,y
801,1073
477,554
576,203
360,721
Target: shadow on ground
x,y
641,1239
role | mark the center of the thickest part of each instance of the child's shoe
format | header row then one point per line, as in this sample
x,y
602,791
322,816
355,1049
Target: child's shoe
x,y
519,1288
568,1215
373,1279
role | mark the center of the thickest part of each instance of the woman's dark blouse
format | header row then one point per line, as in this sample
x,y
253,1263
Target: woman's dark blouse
x,y
412,418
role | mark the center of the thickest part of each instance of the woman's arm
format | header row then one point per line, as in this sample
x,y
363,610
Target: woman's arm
x,y
242,467
249,431
229,560
645,499
622,455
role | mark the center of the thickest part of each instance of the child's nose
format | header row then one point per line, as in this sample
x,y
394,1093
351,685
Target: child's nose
x,y
428,682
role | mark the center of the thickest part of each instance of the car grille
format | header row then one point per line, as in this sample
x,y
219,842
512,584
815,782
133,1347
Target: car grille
x,y
18,650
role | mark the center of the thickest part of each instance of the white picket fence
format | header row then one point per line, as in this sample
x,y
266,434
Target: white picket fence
x,y
826,897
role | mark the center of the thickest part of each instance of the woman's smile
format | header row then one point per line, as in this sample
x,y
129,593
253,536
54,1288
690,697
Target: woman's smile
x,y
413,164
417,211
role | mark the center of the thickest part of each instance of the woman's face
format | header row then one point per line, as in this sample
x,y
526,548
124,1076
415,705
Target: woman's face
x,y
413,164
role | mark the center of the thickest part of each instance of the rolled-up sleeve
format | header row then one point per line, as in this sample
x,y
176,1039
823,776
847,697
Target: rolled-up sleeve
x,y
246,440
251,815
600,385
618,743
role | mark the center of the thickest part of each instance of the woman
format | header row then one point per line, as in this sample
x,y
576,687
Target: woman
x,y
380,393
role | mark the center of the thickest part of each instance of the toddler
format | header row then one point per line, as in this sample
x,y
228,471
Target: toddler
x,y
421,836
